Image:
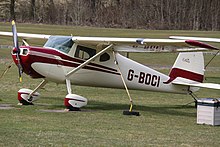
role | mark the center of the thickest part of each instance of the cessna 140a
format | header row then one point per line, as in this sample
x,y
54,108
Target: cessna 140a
x,y
97,61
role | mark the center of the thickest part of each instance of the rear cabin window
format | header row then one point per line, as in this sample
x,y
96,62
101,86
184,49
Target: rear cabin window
x,y
84,52
104,57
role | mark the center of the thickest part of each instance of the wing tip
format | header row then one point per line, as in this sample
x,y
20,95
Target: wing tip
x,y
201,44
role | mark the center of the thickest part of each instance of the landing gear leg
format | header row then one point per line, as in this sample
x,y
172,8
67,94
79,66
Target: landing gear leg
x,y
130,111
73,102
27,96
42,84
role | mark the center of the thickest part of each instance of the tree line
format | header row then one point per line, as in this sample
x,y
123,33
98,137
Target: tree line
x,y
147,14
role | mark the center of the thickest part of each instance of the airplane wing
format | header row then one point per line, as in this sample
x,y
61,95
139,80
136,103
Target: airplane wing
x,y
196,38
142,44
26,35
130,44
134,41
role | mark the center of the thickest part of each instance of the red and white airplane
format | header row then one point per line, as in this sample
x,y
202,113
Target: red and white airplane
x,y
100,62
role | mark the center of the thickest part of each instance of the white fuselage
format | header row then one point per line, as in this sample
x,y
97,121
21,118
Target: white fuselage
x,y
106,74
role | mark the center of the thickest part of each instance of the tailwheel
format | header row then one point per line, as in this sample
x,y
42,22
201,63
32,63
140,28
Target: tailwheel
x,y
74,102
25,98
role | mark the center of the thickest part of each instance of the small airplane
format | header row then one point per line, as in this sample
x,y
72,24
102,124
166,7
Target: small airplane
x,y
102,62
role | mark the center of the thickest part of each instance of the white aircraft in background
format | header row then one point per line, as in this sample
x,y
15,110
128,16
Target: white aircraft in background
x,y
99,62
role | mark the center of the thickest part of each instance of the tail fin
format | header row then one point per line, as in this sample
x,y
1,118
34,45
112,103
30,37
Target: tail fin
x,y
188,67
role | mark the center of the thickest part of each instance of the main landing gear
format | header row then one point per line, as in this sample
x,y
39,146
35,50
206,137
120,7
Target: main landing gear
x,y
27,96
23,96
72,102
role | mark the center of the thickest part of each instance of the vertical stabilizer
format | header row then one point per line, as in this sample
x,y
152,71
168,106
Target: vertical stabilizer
x,y
188,67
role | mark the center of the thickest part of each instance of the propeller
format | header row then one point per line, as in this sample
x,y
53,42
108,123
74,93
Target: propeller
x,y
17,50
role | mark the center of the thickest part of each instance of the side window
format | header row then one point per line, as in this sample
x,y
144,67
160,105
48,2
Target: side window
x,y
84,52
104,57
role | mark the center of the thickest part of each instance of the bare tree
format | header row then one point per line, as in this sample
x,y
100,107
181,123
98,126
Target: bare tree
x,y
147,14
33,10
12,10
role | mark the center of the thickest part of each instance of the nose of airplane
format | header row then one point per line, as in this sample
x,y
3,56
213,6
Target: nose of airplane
x,y
26,60
23,53
14,53
14,50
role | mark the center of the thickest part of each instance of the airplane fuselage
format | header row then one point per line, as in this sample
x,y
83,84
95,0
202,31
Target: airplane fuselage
x,y
54,65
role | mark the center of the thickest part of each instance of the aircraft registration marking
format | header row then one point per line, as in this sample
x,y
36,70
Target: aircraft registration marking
x,y
144,78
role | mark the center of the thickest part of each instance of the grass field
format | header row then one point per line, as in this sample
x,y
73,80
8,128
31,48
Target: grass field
x,y
164,120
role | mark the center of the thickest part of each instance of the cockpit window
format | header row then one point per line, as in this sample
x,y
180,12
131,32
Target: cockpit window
x,y
61,43
84,52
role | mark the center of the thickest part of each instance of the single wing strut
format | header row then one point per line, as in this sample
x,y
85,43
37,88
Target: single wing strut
x,y
88,61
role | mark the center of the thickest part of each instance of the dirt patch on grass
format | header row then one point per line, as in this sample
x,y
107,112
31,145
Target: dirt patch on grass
x,y
63,110
57,111
6,106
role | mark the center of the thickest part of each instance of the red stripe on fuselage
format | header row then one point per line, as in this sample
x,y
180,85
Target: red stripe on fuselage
x,y
35,55
176,72
66,57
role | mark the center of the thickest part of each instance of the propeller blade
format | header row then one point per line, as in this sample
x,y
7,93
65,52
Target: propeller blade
x,y
19,68
15,36
16,46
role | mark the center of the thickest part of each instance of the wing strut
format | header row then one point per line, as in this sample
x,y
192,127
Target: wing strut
x,y
88,61
129,112
42,84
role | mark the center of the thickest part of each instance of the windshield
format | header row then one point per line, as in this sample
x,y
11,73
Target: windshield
x,y
62,43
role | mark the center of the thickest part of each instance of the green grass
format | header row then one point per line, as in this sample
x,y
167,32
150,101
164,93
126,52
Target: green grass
x,y
164,120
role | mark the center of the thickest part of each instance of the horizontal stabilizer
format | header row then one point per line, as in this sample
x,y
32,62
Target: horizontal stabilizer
x,y
201,85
